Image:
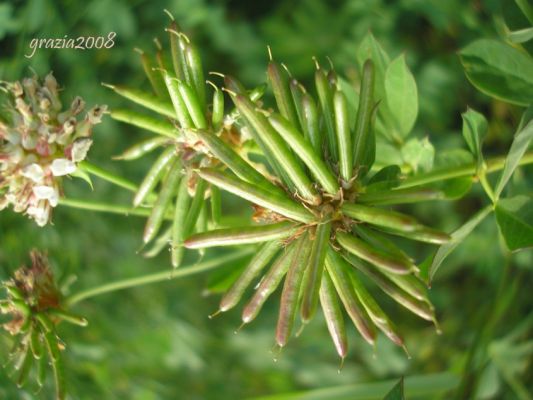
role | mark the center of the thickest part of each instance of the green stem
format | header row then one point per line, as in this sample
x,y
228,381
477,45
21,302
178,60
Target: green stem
x,y
105,207
157,277
441,174
107,176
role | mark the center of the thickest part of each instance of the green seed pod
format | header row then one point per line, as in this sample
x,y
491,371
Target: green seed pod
x,y
25,369
364,114
376,257
196,72
343,135
305,152
333,315
380,217
156,81
380,242
268,284
297,92
196,207
21,307
50,339
217,115
154,175
192,102
14,292
420,308
254,267
278,148
237,164
337,269
291,290
178,226
377,315
216,205
180,109
163,200
313,272
311,123
36,344
142,121
142,148
68,317
400,196
411,284
325,95
145,99
244,235
257,194
159,244
42,367
280,86
424,234
177,46
45,322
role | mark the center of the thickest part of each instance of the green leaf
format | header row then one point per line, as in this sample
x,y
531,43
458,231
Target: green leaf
x,y
401,95
526,9
396,392
386,178
475,127
521,36
518,148
419,154
499,71
80,173
423,386
515,219
457,237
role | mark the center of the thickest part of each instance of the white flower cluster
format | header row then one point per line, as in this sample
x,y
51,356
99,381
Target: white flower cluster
x,y
39,144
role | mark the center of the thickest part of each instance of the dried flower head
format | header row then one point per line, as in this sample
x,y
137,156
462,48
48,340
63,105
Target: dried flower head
x,y
39,144
35,305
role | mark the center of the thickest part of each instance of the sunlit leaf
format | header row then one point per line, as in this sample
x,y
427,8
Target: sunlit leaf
x,y
499,70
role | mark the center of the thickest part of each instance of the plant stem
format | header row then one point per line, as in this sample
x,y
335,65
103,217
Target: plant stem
x,y
108,176
157,277
441,174
105,207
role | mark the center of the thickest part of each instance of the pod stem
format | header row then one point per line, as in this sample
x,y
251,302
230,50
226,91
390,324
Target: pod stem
x,y
157,277
107,176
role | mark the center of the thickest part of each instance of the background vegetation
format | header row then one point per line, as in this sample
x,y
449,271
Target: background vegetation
x,y
156,342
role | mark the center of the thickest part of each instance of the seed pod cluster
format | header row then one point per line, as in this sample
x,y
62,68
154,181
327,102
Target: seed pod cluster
x,y
35,305
317,240
192,133
40,142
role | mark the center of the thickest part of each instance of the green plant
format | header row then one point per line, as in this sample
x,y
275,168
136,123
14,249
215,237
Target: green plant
x,y
322,171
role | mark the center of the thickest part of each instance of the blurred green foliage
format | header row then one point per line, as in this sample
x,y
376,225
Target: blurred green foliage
x,y
156,342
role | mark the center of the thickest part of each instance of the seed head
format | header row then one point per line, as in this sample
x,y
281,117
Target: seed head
x,y
39,144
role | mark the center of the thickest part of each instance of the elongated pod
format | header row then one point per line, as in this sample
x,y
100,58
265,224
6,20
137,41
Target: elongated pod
x,y
268,284
244,235
333,315
305,152
154,175
337,269
364,113
163,200
315,269
291,290
369,253
263,256
257,194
